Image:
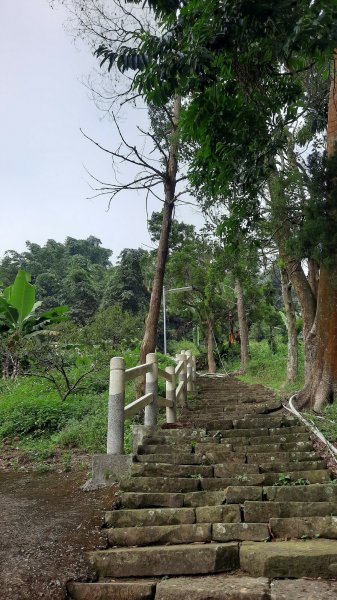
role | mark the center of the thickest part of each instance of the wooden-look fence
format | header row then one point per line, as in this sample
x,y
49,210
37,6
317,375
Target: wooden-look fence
x,y
179,380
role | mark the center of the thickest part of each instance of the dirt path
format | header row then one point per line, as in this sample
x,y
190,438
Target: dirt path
x,y
46,524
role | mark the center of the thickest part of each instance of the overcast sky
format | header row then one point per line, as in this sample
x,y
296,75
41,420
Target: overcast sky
x,y
44,186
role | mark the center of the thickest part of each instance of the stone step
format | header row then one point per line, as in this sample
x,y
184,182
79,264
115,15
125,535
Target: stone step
x,y
270,448
165,448
301,493
255,512
303,589
278,467
266,421
112,590
304,527
227,532
225,513
217,587
257,457
151,500
219,483
204,498
315,476
283,437
228,469
237,494
170,459
167,470
183,559
226,424
236,433
161,534
149,517
294,559
292,430
211,456
165,484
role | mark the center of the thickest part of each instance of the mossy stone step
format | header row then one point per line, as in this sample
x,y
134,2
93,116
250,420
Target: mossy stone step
x,y
183,559
301,493
165,484
313,476
149,516
227,532
257,457
160,534
303,589
305,527
165,448
167,470
256,512
216,587
242,433
283,437
219,483
225,513
228,469
151,500
170,459
194,499
284,467
277,447
294,559
112,590
266,421
237,494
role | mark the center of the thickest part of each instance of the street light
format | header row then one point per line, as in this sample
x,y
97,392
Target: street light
x,y
165,291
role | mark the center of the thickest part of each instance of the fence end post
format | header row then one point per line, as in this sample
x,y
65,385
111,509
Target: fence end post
x,y
115,437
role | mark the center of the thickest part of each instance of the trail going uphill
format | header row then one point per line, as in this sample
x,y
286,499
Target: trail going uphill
x,y
234,504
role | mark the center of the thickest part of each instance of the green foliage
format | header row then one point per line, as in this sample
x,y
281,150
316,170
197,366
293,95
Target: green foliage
x,y
74,272
125,285
270,368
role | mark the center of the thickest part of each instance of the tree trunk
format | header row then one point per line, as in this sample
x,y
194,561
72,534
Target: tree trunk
x,y
308,305
313,276
151,325
292,364
210,348
321,386
243,327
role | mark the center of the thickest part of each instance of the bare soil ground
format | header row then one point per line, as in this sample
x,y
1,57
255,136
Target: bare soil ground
x,y
46,524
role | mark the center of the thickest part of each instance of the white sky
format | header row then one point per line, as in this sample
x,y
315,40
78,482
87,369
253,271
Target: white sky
x,y
43,155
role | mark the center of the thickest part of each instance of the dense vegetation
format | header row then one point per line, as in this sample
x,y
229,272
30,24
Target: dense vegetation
x,y
242,104
55,401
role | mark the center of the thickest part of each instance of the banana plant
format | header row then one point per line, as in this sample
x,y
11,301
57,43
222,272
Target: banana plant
x,y
19,319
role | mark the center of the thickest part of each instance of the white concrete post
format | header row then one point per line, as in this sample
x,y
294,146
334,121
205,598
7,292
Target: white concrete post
x,y
189,370
151,387
171,413
115,440
183,376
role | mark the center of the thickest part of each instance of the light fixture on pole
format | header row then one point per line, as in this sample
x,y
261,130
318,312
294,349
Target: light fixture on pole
x,y
165,291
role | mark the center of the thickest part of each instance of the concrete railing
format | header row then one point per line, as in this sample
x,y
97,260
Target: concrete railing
x,y
179,380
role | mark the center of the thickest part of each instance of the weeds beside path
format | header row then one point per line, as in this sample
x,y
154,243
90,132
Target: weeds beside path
x,y
47,522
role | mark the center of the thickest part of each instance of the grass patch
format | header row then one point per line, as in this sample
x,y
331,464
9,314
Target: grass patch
x,y
270,368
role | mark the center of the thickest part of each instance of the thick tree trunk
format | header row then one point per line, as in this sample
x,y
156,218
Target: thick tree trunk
x,y
210,348
321,386
313,276
292,364
151,326
243,327
308,305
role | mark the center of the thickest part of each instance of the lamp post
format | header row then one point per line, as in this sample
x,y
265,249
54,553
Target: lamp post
x,y
165,291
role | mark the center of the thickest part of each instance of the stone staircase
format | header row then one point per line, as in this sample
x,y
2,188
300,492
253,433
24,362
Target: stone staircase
x,y
224,507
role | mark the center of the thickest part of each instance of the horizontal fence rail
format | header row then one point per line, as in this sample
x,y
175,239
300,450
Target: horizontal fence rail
x,y
179,380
